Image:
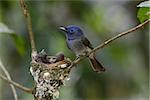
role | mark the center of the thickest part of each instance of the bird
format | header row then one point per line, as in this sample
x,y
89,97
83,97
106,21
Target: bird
x,y
80,45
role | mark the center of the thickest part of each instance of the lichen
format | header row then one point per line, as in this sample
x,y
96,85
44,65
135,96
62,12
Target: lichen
x,y
49,78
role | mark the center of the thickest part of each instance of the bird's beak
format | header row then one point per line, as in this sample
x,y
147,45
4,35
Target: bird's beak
x,y
63,28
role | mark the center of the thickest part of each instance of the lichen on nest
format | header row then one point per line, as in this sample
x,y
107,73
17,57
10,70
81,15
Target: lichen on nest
x,y
49,73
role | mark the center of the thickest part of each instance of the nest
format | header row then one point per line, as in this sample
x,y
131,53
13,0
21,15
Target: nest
x,y
49,73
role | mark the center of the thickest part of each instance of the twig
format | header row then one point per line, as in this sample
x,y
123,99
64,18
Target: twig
x,y
120,35
16,84
8,76
8,79
29,24
111,40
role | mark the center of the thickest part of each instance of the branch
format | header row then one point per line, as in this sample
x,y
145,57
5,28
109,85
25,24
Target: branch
x,y
29,24
8,79
16,84
8,76
102,45
120,35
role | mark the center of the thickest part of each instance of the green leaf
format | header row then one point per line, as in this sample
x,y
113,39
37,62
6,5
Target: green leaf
x,y
20,44
143,14
19,41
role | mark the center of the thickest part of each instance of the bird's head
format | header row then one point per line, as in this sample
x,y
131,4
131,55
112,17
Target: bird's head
x,y
72,31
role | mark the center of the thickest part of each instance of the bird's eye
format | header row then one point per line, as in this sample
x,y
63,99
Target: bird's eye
x,y
71,30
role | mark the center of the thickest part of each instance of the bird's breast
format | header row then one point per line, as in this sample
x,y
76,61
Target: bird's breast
x,y
77,46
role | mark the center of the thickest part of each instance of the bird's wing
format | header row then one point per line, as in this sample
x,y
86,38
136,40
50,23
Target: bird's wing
x,y
86,42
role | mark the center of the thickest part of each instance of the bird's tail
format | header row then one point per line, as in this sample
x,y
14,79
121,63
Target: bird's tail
x,y
96,65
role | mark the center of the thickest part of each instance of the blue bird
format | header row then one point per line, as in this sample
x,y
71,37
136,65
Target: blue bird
x,y
80,45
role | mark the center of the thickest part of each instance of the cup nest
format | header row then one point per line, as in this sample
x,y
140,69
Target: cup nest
x,y
49,74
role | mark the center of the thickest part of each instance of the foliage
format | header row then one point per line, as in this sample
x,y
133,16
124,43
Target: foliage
x,y
144,11
18,40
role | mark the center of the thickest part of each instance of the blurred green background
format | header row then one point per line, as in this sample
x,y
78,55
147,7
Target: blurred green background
x,y
126,59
